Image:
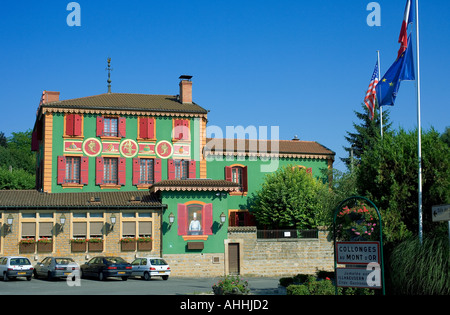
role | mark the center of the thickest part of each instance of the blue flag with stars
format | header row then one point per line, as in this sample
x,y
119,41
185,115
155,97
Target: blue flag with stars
x,y
401,70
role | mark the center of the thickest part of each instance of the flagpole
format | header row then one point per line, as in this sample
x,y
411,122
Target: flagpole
x,y
381,107
419,127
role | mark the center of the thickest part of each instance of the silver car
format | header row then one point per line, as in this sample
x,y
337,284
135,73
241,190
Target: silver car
x,y
15,266
149,267
56,267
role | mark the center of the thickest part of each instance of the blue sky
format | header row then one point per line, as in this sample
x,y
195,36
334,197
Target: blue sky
x,y
301,65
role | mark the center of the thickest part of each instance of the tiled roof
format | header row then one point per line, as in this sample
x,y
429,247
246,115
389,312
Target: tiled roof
x,y
125,101
35,199
286,148
194,185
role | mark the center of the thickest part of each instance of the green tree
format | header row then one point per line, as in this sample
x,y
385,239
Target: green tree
x,y
17,162
289,198
365,135
446,136
388,175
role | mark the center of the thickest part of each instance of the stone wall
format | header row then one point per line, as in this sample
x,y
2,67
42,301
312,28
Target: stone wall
x,y
281,257
259,257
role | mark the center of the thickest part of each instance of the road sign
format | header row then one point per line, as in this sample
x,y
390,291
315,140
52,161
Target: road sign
x,y
441,213
357,253
359,278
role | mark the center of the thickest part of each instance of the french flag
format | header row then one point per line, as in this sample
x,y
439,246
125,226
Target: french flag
x,y
407,19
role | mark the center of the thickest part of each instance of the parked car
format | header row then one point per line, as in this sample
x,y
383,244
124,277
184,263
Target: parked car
x,y
15,266
104,266
56,267
148,267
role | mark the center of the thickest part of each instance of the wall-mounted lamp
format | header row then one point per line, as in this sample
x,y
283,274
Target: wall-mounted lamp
x,y
62,221
171,219
113,221
9,222
222,218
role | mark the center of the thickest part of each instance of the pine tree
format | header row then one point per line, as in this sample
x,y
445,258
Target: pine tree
x,y
366,133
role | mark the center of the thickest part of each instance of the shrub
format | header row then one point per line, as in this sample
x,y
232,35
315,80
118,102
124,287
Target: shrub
x,y
231,285
421,269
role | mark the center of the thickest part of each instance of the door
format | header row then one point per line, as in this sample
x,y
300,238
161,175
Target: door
x,y
233,258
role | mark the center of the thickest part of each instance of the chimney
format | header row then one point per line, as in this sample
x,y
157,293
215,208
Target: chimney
x,y
48,97
185,89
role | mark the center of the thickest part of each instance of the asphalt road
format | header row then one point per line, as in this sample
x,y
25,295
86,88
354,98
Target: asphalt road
x,y
133,286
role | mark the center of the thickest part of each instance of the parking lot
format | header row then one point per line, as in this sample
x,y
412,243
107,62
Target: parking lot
x,y
134,286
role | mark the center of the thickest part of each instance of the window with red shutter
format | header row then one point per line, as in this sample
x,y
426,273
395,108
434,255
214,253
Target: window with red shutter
x,y
181,129
147,127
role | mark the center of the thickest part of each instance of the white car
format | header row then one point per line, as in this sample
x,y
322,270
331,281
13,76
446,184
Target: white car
x,y
15,266
149,267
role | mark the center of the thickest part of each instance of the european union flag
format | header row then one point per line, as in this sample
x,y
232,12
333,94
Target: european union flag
x,y
401,70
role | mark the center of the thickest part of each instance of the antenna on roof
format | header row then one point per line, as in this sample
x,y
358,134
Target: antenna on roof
x,y
109,69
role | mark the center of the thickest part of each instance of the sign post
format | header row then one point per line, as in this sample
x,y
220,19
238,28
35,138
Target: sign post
x,y
365,257
442,213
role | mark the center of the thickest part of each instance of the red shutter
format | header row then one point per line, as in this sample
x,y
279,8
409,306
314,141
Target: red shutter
x,y
77,125
232,220
207,219
122,127
192,172
61,169
185,128
182,216
136,171
99,126
121,170
99,166
84,170
34,141
69,124
157,171
249,219
176,129
244,178
170,169
143,127
228,174
151,128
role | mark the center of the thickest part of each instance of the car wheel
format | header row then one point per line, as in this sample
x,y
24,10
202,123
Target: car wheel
x,y
29,278
165,277
49,276
101,277
147,276
5,277
124,278
35,274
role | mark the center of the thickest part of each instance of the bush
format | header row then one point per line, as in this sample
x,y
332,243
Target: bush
x,y
313,286
421,269
231,285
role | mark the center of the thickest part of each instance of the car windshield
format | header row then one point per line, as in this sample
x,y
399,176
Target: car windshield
x,y
19,261
115,260
63,261
157,262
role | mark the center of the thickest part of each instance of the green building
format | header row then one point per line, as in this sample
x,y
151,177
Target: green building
x,y
115,167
